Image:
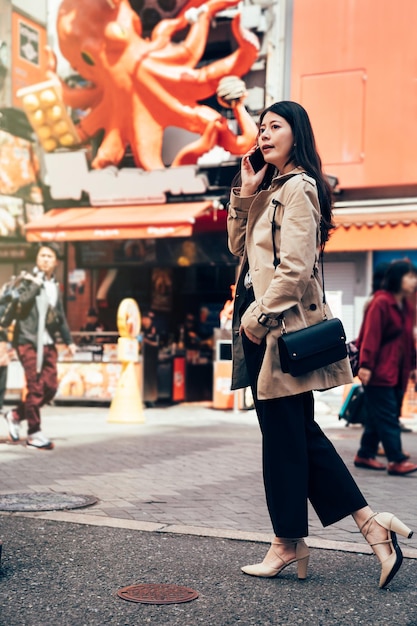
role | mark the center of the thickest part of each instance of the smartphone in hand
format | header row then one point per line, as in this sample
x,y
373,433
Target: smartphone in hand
x,y
257,160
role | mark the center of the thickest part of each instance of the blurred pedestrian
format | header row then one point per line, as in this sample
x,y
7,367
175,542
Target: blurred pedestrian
x,y
148,329
4,362
150,351
387,357
92,324
205,328
5,350
191,338
278,221
226,314
41,318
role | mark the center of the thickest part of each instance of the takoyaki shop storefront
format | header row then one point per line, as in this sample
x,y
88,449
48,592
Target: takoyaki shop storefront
x,y
171,258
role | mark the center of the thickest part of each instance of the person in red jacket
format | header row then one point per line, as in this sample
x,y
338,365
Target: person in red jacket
x,y
386,359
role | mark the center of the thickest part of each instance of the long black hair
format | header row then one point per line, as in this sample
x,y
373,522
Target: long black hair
x,y
304,154
394,274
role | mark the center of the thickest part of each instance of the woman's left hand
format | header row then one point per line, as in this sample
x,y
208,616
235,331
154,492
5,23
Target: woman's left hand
x,y
249,335
364,375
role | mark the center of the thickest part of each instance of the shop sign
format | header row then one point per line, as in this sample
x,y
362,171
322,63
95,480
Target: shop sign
x,y
17,163
14,253
111,186
205,249
29,59
28,43
11,217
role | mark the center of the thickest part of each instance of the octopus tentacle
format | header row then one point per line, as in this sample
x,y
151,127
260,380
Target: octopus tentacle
x,y
94,121
190,153
167,108
146,138
203,81
190,50
239,62
239,144
217,132
111,150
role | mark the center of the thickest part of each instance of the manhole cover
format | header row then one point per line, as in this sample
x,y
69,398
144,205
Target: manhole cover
x,y
43,501
157,594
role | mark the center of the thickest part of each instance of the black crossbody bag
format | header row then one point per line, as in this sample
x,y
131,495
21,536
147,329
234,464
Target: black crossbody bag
x,y
316,346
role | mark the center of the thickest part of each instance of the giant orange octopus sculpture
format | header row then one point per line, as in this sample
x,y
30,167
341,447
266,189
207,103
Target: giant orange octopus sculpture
x,y
138,87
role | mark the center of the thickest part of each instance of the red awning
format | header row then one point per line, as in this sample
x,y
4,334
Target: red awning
x,y
117,222
387,227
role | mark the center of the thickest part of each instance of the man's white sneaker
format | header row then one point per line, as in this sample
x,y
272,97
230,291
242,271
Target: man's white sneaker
x,y
39,441
13,425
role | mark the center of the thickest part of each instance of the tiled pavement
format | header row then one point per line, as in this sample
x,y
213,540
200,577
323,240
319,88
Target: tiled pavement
x,y
188,468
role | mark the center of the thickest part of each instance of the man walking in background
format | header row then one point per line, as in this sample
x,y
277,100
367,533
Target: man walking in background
x,y
39,318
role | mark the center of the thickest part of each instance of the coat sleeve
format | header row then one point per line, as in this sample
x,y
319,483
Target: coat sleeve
x,y
371,335
64,329
237,218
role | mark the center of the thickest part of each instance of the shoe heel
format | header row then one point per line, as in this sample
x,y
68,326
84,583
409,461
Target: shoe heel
x,y
302,566
390,522
400,528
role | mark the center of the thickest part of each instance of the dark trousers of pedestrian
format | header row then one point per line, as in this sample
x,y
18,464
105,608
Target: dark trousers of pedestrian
x,y
41,387
383,409
299,461
3,383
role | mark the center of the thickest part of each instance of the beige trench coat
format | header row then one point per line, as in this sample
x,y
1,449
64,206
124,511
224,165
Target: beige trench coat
x,y
293,288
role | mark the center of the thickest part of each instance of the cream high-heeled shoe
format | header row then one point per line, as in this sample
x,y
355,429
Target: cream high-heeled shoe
x,y
391,565
269,570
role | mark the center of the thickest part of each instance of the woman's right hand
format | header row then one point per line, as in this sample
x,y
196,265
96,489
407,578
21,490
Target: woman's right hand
x,y
249,335
250,179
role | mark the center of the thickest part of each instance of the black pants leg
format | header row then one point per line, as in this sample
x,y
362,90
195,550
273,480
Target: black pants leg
x,y
3,383
383,408
299,461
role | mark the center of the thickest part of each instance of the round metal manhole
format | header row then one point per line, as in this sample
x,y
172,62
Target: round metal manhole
x,y
43,501
157,594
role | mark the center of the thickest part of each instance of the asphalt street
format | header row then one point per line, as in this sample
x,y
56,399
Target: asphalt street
x,y
180,501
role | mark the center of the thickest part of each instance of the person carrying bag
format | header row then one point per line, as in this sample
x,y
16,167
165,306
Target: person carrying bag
x,y
281,279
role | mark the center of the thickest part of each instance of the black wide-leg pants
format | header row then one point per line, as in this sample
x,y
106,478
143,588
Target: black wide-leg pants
x,y
299,461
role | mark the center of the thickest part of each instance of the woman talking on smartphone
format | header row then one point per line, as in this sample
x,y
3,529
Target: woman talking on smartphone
x,y
278,222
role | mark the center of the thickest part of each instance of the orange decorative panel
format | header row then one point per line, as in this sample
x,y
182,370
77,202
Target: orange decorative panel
x,y
354,67
341,132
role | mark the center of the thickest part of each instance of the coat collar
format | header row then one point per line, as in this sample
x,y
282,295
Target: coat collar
x,y
280,178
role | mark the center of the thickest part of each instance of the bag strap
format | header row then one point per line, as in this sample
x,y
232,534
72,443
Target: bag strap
x,y
321,257
274,230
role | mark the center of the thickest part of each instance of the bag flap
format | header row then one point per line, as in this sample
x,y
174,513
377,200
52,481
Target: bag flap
x,y
317,338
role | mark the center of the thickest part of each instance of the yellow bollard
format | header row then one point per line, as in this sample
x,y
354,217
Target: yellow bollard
x,y
127,406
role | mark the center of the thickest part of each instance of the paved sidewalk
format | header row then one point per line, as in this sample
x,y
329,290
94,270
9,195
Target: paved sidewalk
x,y
188,468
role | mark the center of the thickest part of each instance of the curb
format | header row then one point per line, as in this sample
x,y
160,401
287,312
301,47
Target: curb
x,y
198,531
